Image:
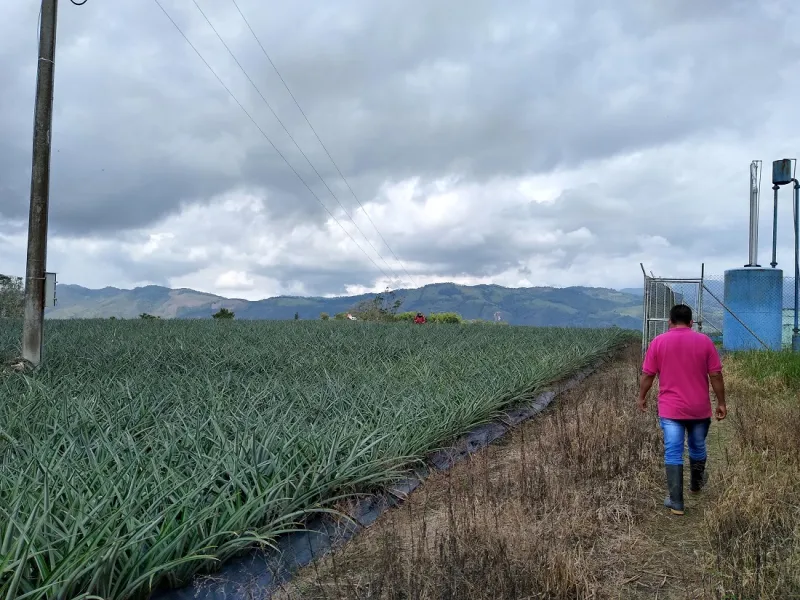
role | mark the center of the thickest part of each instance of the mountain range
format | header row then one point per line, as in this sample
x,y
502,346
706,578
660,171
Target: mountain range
x,y
541,306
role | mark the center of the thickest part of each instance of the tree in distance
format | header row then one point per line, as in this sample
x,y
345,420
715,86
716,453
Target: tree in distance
x,y
383,307
224,313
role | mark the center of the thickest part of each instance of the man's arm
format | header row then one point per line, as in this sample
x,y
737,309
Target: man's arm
x,y
717,382
645,384
649,372
718,385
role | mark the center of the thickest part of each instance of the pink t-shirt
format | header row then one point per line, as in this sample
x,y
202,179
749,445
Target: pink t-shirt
x,y
682,359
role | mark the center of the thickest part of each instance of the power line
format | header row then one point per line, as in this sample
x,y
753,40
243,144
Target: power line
x,y
266,137
302,112
274,114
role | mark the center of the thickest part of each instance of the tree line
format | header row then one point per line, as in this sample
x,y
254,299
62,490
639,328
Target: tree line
x,y
385,308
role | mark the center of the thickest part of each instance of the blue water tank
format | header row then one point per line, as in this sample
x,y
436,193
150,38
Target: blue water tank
x,y
755,295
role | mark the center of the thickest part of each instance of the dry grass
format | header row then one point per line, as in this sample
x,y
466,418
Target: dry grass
x,y
548,513
753,528
569,506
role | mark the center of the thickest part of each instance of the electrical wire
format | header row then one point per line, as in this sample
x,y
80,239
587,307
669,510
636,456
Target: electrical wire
x,y
285,129
302,112
266,137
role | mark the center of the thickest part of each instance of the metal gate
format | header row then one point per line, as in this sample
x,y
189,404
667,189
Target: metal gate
x,y
662,293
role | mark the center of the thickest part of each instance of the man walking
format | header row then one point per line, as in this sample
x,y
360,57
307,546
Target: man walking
x,y
684,361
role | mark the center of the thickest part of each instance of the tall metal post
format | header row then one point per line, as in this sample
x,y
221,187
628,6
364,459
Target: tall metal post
x,y
755,195
40,188
645,309
700,297
774,262
796,330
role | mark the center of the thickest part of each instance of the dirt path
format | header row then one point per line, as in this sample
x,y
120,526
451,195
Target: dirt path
x,y
670,561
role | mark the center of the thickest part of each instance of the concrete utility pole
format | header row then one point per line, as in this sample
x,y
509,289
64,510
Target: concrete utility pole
x,y
40,188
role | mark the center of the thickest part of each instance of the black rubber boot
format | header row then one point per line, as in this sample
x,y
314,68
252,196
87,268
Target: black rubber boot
x,y
698,475
674,502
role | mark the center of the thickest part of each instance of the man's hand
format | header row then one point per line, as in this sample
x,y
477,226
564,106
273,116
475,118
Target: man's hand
x,y
718,385
644,388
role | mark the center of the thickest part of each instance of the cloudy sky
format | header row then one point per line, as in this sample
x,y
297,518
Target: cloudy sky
x,y
517,142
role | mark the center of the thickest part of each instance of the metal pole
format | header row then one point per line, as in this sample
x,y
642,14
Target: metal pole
x,y
660,300
40,188
774,262
645,314
755,189
645,311
796,331
700,297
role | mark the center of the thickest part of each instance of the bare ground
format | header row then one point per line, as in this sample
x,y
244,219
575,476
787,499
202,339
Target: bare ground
x,y
570,506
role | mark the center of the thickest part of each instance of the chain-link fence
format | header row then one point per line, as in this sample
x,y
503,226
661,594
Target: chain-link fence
x,y
658,299
756,312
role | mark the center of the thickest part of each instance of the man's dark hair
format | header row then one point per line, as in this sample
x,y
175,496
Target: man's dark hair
x,y
680,314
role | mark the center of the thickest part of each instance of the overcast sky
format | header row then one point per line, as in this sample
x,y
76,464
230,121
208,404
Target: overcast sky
x,y
521,143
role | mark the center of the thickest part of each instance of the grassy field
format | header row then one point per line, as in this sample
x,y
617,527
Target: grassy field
x,y
753,528
145,451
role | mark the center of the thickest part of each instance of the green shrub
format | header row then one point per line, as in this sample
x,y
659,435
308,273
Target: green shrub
x,y
405,317
449,318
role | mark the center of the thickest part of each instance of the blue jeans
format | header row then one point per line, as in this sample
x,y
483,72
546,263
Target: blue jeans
x,y
695,432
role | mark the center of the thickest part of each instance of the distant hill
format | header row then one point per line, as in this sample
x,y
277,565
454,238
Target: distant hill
x,y
543,306
633,291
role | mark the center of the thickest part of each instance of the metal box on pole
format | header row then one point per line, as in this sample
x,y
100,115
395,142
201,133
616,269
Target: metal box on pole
x,y
782,171
49,290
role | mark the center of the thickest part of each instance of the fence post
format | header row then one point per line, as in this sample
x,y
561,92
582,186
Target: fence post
x,y
700,297
645,310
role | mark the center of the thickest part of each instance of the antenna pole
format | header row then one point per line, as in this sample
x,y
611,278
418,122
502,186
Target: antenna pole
x,y
774,262
755,194
796,328
32,332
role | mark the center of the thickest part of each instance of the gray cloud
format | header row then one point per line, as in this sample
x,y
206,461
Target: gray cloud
x,y
481,92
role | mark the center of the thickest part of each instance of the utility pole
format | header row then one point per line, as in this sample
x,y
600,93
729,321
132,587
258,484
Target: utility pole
x,y
32,332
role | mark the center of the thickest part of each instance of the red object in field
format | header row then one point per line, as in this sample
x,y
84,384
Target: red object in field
x,y
419,319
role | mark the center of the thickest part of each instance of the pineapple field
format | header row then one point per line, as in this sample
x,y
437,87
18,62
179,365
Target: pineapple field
x,y
146,451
